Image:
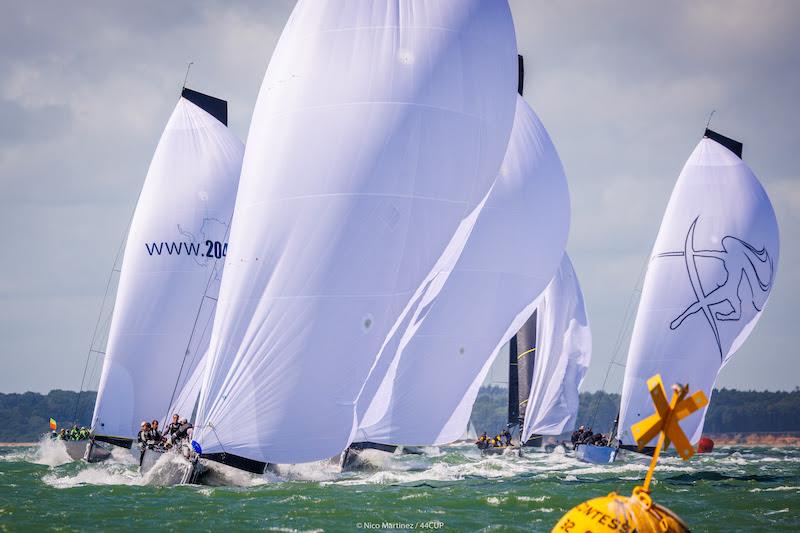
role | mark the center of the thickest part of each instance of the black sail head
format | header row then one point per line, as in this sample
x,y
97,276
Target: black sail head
x,y
731,144
215,107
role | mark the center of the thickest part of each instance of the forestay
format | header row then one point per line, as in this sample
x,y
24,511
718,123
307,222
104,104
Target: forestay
x,y
712,268
169,270
563,352
470,299
379,126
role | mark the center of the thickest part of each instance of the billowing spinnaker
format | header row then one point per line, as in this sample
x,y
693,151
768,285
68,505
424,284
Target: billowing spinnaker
x,y
562,355
379,126
473,296
177,232
710,273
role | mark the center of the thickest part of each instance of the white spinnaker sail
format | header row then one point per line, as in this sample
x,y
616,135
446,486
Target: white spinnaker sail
x,y
468,303
562,355
178,230
712,268
379,126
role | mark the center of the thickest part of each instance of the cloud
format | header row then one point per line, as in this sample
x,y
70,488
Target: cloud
x,y
623,88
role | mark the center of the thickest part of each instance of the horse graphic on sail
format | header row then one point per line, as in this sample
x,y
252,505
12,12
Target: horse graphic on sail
x,y
749,274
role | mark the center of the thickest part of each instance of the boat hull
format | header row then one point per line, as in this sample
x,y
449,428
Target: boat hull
x,y
95,452
359,454
589,453
165,467
76,449
499,450
356,456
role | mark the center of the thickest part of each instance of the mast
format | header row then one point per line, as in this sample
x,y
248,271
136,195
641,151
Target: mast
x,y
513,383
513,352
526,340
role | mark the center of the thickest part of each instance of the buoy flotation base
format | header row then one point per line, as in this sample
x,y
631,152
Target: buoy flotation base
x,y
621,514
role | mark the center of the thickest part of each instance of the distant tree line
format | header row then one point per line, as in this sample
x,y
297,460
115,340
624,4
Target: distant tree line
x,y
25,417
731,411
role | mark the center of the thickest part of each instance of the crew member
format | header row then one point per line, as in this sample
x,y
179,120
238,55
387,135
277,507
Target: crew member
x,y
155,434
142,437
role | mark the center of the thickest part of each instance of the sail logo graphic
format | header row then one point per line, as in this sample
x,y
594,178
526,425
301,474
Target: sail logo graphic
x,y
748,280
203,247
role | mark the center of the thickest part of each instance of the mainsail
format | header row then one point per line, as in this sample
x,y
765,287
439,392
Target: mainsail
x,y
710,274
170,270
379,126
521,363
563,352
485,278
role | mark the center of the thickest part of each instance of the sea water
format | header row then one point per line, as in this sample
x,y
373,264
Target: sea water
x,y
455,489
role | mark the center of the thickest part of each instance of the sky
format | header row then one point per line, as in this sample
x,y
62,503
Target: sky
x,y
624,89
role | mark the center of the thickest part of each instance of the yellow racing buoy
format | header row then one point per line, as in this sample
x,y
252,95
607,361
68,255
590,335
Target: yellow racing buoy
x,y
618,513
638,512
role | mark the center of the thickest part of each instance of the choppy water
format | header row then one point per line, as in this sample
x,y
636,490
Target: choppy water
x,y
733,489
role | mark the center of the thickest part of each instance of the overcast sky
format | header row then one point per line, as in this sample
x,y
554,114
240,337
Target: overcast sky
x,y
623,88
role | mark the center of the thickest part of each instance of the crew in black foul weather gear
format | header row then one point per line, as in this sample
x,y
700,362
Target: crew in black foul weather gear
x,y
155,434
143,437
184,430
174,426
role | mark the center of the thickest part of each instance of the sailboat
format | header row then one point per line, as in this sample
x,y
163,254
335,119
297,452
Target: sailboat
x,y
170,274
709,277
548,358
378,128
486,277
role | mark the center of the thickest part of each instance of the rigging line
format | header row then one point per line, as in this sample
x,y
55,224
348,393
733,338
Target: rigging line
x,y
105,296
214,430
626,323
99,318
197,316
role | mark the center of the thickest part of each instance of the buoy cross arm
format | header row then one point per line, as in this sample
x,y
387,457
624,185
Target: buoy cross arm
x,y
647,429
658,395
667,416
691,404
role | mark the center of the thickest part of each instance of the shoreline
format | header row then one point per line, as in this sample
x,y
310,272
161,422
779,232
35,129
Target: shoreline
x,y
777,439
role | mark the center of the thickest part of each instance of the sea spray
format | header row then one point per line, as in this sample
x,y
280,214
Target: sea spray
x,y
51,452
